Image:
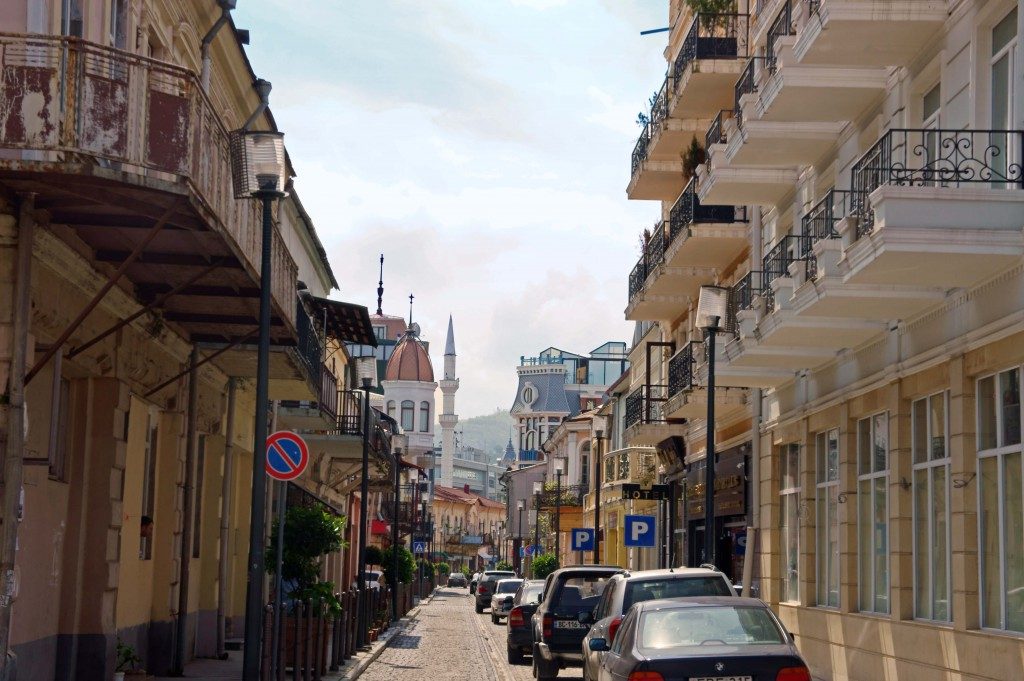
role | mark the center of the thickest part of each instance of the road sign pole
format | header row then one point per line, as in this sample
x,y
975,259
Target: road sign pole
x,y
282,503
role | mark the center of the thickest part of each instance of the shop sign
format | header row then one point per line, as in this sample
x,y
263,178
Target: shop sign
x,y
730,489
637,492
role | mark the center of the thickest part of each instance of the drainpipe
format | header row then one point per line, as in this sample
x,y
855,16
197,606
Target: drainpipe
x,y
225,511
185,558
12,499
754,474
225,9
263,90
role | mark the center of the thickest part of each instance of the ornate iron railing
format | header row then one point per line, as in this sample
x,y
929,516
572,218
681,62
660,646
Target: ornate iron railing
x,y
634,407
935,158
820,223
781,26
310,346
637,277
645,406
682,368
716,132
655,250
788,250
640,150
688,210
659,108
746,84
741,295
569,495
712,36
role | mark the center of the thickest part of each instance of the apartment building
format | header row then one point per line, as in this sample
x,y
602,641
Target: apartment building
x,y
857,184
128,311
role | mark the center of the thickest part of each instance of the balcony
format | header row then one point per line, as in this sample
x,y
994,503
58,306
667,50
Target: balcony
x,y
935,208
684,252
645,421
707,64
725,184
130,155
634,464
867,32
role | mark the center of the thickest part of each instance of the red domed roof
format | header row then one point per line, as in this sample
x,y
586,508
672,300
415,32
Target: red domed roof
x,y
409,362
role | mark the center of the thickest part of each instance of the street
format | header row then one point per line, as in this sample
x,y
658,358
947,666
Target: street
x,y
450,641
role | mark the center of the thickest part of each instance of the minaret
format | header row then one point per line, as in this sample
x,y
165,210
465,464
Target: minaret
x,y
448,418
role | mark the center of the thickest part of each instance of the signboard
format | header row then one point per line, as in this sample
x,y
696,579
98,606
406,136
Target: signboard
x,y
287,455
419,547
472,539
653,493
640,530
582,538
531,550
730,487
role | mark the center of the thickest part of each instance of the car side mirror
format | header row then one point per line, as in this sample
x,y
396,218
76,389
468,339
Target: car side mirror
x,y
792,636
598,645
585,617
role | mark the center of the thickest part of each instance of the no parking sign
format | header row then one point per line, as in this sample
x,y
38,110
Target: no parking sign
x,y
287,455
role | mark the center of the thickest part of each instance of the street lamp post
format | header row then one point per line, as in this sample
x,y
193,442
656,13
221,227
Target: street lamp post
x,y
597,500
559,470
519,535
258,171
537,488
394,535
712,310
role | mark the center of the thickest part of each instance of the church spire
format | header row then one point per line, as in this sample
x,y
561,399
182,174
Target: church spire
x,y
411,297
380,288
449,345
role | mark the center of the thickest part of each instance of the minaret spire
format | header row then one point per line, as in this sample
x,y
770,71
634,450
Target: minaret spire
x,y
449,345
380,288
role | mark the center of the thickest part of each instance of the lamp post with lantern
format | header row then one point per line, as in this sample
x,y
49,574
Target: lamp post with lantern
x,y
538,487
259,172
712,311
559,465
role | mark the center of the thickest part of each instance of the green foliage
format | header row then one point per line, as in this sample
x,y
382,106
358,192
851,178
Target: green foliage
x,y
465,570
127,659
310,532
504,565
427,567
442,569
712,6
374,555
693,157
544,565
406,565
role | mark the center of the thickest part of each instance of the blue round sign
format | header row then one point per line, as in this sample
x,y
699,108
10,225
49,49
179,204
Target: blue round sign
x,y
287,455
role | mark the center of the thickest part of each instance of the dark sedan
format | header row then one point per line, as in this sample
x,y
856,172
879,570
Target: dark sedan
x,y
519,640
711,638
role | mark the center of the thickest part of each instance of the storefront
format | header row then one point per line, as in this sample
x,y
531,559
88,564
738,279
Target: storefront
x,y
731,504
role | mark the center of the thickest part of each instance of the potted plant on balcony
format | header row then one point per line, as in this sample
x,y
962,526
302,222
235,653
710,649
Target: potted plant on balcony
x,y
692,158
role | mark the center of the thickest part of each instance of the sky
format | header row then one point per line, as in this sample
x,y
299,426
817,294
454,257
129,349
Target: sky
x,y
483,146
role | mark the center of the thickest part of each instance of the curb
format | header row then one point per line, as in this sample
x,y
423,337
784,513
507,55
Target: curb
x,y
382,644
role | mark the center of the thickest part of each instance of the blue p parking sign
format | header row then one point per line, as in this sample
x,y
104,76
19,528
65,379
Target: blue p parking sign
x,y
640,530
582,539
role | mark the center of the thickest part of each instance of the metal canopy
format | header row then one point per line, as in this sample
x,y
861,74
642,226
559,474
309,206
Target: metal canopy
x,y
346,322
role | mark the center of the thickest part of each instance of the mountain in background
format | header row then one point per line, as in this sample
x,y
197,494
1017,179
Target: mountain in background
x,y
489,432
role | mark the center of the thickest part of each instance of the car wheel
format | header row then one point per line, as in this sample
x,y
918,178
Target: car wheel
x,y
479,608
494,619
515,656
541,671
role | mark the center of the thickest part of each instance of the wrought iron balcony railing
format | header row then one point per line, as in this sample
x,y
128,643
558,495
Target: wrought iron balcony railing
x,y
644,405
655,249
659,112
781,26
640,150
637,277
741,295
746,84
682,368
712,36
688,211
935,158
716,133
659,107
820,223
568,495
788,250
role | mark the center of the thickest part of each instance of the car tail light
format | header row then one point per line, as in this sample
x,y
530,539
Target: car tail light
x,y
481,590
646,676
613,628
548,622
515,617
793,674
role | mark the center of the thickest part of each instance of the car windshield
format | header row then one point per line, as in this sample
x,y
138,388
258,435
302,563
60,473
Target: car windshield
x,y
673,587
508,586
712,625
580,594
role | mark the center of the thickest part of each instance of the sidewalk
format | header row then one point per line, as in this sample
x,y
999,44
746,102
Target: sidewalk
x,y
210,670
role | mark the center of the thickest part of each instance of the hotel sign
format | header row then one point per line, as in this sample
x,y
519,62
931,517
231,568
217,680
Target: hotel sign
x,y
653,493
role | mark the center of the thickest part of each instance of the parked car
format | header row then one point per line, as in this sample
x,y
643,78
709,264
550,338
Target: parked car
x,y
374,579
519,635
709,637
486,584
457,579
627,588
557,630
501,600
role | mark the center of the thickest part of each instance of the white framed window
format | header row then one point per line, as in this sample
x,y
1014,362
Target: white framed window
x,y
873,512
391,408
408,415
1002,73
929,420
826,447
424,417
1001,500
789,501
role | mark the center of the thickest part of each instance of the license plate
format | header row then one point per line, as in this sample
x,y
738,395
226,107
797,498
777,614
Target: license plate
x,y
569,624
721,678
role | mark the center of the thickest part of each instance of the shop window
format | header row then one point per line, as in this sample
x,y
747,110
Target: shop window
x,y
873,512
826,447
789,499
1001,501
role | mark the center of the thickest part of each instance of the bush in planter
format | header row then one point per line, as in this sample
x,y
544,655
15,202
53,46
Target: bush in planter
x,y
442,570
406,565
504,565
310,533
374,555
693,157
426,567
544,565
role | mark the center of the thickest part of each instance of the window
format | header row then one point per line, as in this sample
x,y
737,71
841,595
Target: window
x,y
873,512
380,332
1001,501
930,448
826,447
119,23
149,485
530,439
408,415
391,408
930,105
1002,65
71,18
789,493
197,500
424,417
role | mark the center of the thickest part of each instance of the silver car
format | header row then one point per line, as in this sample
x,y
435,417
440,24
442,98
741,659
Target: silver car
x,y
501,601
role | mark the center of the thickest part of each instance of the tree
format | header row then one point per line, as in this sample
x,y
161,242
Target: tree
x,y
544,565
427,567
406,565
374,555
442,569
310,533
503,565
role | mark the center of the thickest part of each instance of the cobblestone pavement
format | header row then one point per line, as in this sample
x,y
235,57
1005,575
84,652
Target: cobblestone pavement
x,y
449,640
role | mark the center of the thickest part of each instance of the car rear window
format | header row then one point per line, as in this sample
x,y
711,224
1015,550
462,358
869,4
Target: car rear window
x,y
508,587
580,593
678,587
531,592
721,625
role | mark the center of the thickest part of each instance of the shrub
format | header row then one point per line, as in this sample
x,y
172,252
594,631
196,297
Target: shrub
x,y
310,532
504,565
442,569
544,565
427,567
406,565
374,555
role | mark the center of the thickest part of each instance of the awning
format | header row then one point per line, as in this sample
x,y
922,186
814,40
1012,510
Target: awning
x,y
347,322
